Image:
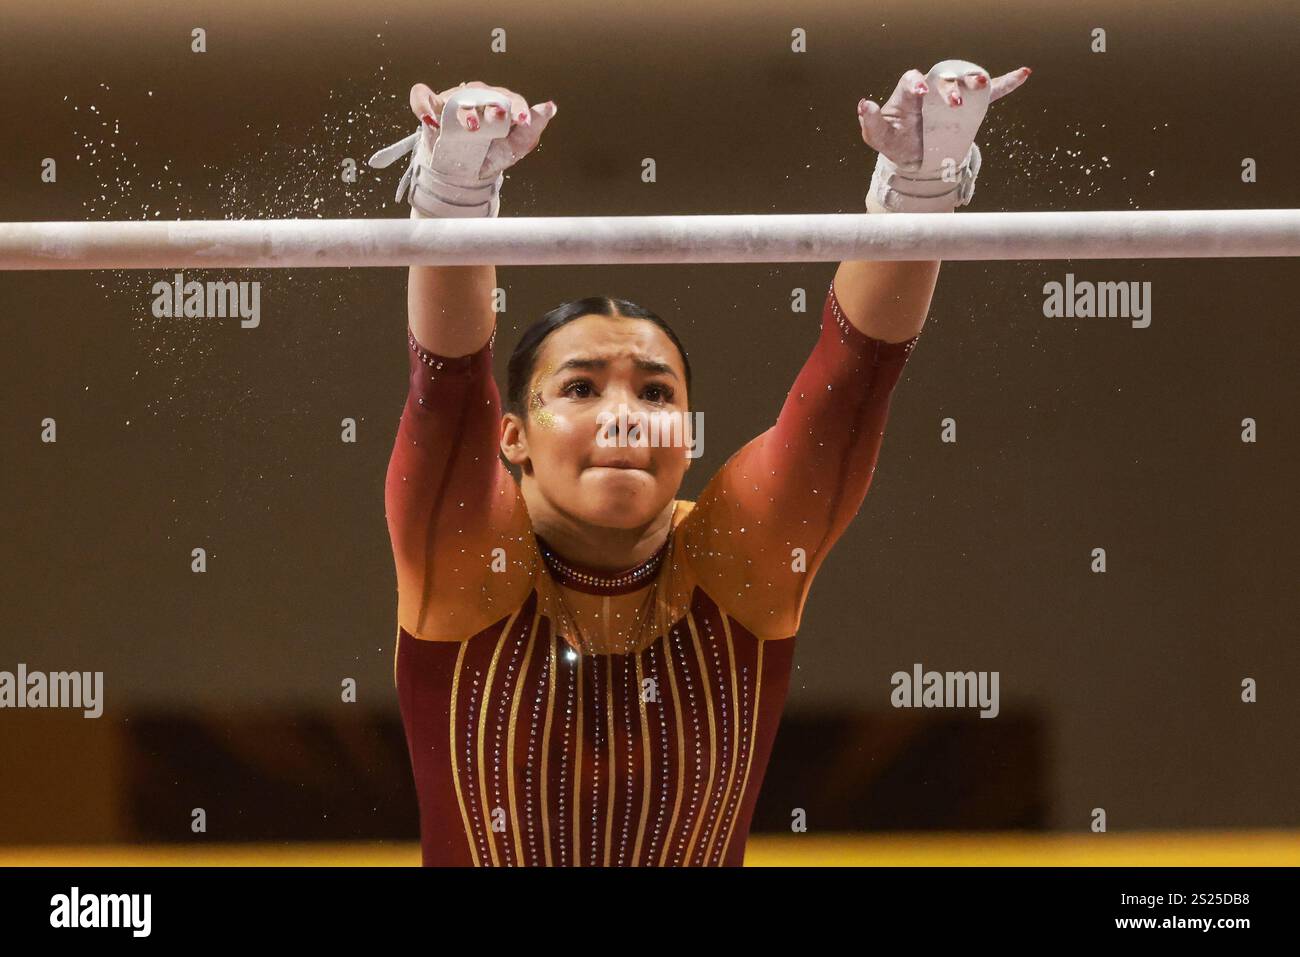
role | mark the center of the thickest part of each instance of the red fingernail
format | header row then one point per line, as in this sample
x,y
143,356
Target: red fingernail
x,y
430,121
523,116
1027,71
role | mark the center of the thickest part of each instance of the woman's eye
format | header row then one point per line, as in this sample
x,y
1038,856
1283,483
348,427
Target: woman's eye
x,y
585,389
659,393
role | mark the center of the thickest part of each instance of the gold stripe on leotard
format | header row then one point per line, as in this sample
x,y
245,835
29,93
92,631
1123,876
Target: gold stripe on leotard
x,y
455,772
397,648
713,736
510,745
681,749
735,745
552,682
577,774
482,727
753,730
645,765
613,760
628,772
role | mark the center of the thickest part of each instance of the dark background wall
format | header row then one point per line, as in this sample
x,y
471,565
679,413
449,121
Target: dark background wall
x,y
1072,433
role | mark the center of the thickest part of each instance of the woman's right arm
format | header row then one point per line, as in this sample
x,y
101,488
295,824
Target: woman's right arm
x,y
450,307
456,518
450,502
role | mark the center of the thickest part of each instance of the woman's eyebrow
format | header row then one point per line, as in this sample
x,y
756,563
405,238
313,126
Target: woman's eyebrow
x,y
653,366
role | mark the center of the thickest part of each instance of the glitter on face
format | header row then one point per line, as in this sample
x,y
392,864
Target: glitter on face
x,y
536,404
541,416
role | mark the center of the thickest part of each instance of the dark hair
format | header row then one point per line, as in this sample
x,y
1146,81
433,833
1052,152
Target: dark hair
x,y
524,359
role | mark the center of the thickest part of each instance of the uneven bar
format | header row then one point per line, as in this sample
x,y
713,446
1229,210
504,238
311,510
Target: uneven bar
x,y
553,241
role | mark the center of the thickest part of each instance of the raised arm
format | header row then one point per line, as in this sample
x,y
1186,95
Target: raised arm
x,y
926,162
765,523
449,308
449,500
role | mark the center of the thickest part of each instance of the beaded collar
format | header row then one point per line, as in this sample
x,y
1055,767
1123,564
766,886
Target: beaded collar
x,y
594,581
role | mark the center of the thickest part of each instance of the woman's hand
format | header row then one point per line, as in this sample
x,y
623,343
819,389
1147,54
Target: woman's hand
x,y
895,130
449,308
526,123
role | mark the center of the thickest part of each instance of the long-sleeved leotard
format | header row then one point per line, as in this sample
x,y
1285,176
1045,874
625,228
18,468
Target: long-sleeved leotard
x,y
526,753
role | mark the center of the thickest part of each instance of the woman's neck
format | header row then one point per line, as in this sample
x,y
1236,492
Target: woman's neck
x,y
596,546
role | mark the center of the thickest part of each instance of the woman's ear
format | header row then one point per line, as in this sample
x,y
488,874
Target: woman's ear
x,y
514,439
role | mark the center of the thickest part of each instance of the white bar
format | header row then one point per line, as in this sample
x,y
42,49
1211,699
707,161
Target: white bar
x,y
542,241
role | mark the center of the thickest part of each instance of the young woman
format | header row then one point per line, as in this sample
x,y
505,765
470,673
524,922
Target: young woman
x,y
590,670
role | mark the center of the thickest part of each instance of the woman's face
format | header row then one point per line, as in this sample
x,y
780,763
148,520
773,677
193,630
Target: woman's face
x,y
587,373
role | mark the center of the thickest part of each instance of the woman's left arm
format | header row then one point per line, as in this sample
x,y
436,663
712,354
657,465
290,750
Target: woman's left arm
x,y
888,301
765,522
927,162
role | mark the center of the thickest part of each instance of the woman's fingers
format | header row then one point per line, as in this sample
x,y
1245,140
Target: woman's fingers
x,y
516,112
467,116
520,113
1009,82
911,87
524,136
520,141
425,104
873,123
882,127
473,118
525,123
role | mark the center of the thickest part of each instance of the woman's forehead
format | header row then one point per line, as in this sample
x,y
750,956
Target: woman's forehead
x,y
612,338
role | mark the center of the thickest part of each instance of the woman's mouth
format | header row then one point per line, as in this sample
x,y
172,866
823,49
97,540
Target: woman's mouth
x,y
618,464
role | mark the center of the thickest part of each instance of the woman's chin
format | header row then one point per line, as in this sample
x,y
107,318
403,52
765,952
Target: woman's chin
x,y
618,498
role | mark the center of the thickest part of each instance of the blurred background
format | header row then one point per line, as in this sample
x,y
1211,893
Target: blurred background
x,y
1120,691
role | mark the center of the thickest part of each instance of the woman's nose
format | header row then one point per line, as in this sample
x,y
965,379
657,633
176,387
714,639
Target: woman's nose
x,y
618,399
622,414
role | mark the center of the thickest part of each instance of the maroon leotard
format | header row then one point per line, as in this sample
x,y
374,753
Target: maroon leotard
x,y
527,753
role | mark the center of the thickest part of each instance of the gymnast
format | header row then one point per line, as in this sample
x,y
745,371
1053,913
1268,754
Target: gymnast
x,y
591,671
